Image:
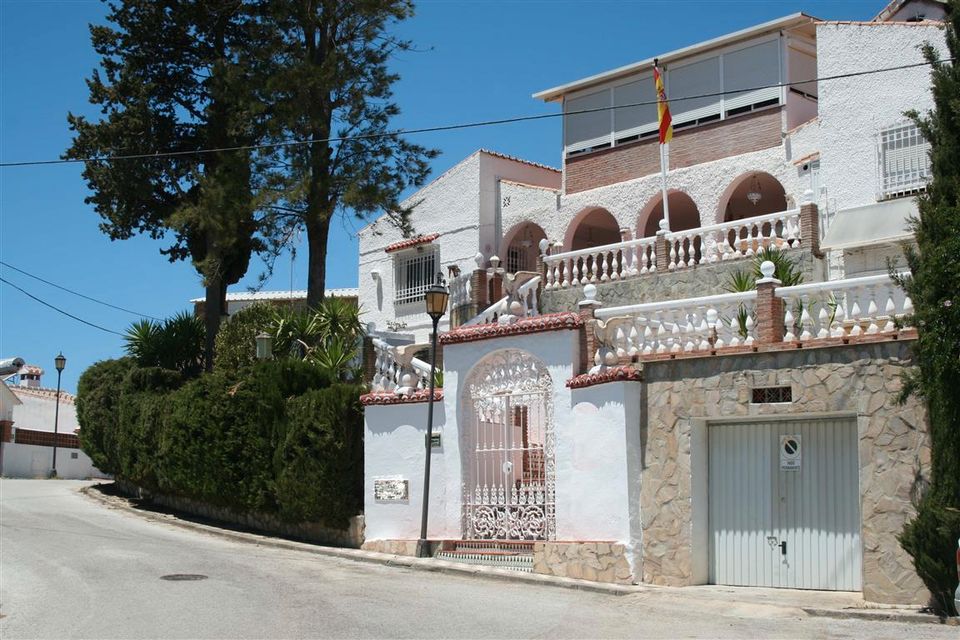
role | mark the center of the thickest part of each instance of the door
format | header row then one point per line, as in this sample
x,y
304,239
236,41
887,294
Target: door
x,y
784,504
508,475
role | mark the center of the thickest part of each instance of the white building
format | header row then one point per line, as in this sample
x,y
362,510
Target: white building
x,y
609,411
27,415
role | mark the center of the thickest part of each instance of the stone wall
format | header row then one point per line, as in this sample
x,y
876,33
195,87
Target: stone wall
x,y
692,282
597,561
862,379
314,532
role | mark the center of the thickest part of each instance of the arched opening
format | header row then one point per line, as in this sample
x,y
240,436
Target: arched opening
x,y
752,194
592,228
683,214
522,244
508,447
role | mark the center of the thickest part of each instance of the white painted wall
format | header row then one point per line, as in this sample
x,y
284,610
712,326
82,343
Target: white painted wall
x,y
33,461
37,412
853,110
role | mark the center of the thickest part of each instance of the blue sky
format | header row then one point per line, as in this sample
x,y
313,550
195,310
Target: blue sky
x,y
477,60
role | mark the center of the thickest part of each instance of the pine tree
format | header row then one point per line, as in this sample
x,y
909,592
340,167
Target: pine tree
x,y
324,74
174,79
934,288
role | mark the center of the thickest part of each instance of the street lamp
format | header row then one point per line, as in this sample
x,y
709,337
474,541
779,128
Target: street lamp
x,y
264,346
436,303
60,362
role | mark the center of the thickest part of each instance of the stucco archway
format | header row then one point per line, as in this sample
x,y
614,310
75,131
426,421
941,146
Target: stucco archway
x,y
521,246
683,214
734,204
592,227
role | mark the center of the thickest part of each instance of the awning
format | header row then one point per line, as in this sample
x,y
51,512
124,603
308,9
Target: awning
x,y
871,224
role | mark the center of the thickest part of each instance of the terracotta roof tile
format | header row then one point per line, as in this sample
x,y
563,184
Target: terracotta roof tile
x,y
536,324
393,398
411,242
613,374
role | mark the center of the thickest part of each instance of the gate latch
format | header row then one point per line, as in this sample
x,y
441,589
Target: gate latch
x,y
783,548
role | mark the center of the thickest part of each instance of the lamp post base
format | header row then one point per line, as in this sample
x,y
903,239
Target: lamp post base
x,y
423,549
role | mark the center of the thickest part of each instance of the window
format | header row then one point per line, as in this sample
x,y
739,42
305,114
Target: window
x,y
415,271
903,160
769,395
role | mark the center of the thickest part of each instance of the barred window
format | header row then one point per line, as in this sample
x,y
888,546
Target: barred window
x,y
766,395
903,160
415,271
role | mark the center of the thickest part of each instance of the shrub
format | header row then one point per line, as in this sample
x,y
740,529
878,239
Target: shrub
x,y
931,538
98,395
236,340
177,343
320,459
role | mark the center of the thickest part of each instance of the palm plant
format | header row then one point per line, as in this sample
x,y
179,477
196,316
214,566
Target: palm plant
x,y
177,343
785,270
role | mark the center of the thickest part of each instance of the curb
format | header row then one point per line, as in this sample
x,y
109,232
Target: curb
x,y
454,568
406,562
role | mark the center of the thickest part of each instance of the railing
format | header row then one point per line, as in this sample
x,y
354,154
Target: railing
x,y
397,370
843,308
600,264
460,290
675,326
733,240
704,245
520,302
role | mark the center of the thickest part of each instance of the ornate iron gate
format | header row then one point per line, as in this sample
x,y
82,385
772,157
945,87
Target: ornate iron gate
x,y
509,470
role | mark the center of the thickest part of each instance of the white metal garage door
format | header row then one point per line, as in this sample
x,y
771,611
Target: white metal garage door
x,y
785,504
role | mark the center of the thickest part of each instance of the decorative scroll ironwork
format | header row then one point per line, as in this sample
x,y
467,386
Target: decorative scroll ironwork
x,y
509,474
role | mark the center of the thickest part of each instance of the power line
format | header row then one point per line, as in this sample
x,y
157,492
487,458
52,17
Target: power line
x,y
449,127
77,293
59,310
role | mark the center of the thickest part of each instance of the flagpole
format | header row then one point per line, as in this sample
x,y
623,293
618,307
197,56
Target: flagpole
x,y
663,186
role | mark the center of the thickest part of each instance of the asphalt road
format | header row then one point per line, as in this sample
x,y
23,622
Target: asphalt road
x,y
71,568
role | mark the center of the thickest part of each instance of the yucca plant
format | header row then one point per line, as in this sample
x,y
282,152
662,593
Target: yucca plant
x,y
177,343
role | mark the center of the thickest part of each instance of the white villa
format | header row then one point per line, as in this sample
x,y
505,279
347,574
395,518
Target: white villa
x,y
609,410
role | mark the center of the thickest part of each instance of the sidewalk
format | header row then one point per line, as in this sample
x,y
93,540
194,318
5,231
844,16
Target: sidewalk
x,y
750,601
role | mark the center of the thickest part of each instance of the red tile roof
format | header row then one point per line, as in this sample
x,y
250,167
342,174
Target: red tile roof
x,y
536,324
613,374
411,242
393,398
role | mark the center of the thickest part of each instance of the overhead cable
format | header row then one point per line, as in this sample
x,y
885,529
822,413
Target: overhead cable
x,y
449,127
77,293
59,310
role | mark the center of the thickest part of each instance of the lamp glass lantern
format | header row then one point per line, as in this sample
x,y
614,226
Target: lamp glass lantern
x,y
60,362
436,300
264,346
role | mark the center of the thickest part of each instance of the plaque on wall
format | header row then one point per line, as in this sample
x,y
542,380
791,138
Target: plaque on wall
x,y
390,489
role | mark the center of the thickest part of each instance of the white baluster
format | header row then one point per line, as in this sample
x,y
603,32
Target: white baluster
x,y
890,310
823,321
673,256
788,320
872,311
602,260
749,324
837,329
615,265
805,320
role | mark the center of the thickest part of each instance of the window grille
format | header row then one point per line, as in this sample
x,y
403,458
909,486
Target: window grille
x,y
766,395
415,272
903,160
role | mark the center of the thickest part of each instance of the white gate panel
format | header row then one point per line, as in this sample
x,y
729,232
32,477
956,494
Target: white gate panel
x,y
785,518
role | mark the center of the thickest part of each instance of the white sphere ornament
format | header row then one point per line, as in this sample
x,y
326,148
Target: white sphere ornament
x,y
767,269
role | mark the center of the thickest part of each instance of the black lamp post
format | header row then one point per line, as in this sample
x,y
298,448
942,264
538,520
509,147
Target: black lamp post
x,y
60,362
436,302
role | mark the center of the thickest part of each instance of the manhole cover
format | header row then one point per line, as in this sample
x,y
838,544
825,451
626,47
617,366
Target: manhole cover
x,y
184,576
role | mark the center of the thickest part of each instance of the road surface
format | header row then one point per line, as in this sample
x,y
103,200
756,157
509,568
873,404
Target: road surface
x,y
72,568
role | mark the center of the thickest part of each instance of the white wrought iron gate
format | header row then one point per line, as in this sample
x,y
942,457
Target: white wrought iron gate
x,y
508,475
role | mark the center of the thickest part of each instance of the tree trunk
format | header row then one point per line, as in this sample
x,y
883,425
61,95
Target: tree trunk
x,y
317,232
215,308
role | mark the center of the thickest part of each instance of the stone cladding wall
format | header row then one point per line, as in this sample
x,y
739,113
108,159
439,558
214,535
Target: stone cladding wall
x,y
862,379
597,561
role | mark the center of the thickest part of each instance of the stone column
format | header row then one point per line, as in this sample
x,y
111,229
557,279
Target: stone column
x,y
588,334
769,326
810,225
478,292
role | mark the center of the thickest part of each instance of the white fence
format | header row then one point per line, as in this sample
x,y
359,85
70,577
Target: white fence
x,y
704,245
842,308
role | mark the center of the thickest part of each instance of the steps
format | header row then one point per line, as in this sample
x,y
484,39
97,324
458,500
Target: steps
x,y
514,555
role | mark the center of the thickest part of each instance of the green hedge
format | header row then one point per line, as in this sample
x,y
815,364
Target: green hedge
x,y
275,437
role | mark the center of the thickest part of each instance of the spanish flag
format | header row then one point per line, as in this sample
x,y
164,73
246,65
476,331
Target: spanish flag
x,y
663,108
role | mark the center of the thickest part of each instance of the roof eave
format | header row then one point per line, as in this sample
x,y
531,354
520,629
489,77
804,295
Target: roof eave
x,y
786,22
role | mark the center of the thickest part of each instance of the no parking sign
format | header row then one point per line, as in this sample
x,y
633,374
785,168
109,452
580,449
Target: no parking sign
x,y
790,453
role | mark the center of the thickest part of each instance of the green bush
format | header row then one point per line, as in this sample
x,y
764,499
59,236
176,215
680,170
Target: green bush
x,y
931,539
176,343
98,411
236,344
320,459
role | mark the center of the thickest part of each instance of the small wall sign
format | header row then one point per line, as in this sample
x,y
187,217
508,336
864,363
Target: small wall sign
x,y
436,440
790,453
390,489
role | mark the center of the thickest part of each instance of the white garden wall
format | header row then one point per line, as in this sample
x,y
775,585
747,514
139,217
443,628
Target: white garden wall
x,y
33,461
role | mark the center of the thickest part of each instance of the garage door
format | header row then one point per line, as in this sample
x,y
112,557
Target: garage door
x,y
784,504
